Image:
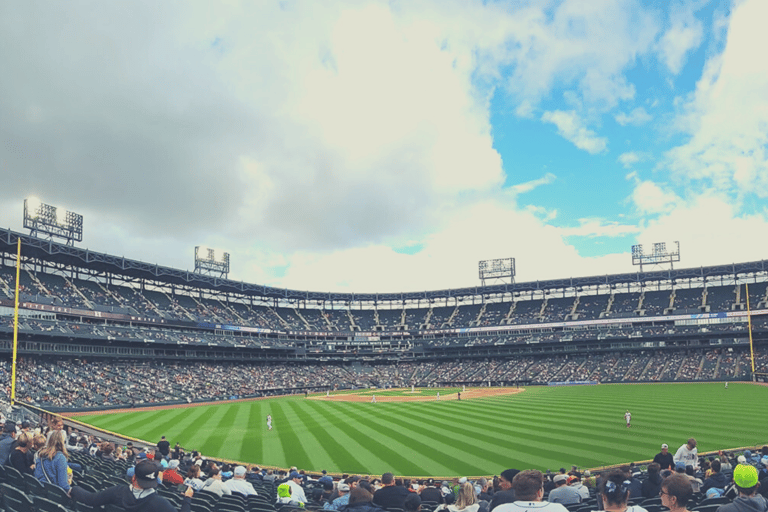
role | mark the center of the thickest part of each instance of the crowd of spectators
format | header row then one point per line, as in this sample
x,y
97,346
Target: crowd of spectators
x,y
71,382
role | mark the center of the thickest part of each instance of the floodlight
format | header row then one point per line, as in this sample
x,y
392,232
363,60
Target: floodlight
x,y
211,261
33,203
44,220
497,269
660,255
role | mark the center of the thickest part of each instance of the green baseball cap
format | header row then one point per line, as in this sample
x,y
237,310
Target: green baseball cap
x,y
745,476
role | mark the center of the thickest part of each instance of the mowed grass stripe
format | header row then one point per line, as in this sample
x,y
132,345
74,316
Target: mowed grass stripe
x,y
221,430
397,456
531,437
409,438
293,449
338,428
513,445
334,454
442,437
206,428
253,450
240,434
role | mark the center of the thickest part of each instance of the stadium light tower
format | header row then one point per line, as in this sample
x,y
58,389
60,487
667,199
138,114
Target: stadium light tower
x,y
497,269
210,261
659,256
46,221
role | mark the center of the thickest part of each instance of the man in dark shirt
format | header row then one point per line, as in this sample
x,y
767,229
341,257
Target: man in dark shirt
x,y
664,459
505,494
391,495
432,494
164,447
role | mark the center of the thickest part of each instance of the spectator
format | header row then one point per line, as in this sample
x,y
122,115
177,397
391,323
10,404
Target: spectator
x,y
676,491
18,458
466,500
193,478
745,479
688,453
140,496
171,475
574,481
214,483
652,484
430,493
390,495
635,486
615,491
413,503
6,441
342,501
51,461
284,496
238,483
164,447
717,479
360,500
505,493
297,491
563,493
664,459
529,491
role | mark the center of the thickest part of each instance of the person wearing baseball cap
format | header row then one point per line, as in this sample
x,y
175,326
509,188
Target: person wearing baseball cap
x,y
664,459
139,496
563,493
297,491
745,478
238,484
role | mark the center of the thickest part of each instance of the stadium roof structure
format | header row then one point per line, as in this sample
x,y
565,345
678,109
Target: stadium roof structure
x,y
104,263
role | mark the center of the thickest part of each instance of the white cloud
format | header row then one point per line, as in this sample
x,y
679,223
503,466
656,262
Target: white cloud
x,y
637,117
630,158
683,36
593,228
705,218
581,45
650,198
522,188
727,116
571,127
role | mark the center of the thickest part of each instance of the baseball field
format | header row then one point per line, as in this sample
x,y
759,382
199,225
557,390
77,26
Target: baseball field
x,y
415,434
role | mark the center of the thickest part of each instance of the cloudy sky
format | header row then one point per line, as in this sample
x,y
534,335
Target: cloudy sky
x,y
389,146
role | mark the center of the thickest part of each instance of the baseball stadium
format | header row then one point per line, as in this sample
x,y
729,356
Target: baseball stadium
x,y
442,383
437,256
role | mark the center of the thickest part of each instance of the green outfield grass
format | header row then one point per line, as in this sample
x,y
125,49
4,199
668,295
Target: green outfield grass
x,y
543,427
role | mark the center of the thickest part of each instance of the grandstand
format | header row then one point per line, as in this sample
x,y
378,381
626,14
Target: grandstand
x,y
100,332
77,306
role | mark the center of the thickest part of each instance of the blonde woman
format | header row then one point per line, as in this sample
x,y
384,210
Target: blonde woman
x,y
466,501
18,457
51,461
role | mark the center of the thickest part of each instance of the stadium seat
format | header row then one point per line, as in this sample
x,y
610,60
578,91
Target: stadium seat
x,y
707,508
33,485
15,500
45,505
57,495
14,478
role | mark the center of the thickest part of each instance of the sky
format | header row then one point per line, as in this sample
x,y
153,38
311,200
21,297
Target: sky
x,y
374,146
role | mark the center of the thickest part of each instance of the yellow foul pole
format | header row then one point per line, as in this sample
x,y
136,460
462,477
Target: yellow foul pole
x,y
15,324
749,324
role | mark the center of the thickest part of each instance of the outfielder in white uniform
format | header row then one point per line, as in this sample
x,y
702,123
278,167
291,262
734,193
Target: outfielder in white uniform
x,y
269,421
628,417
